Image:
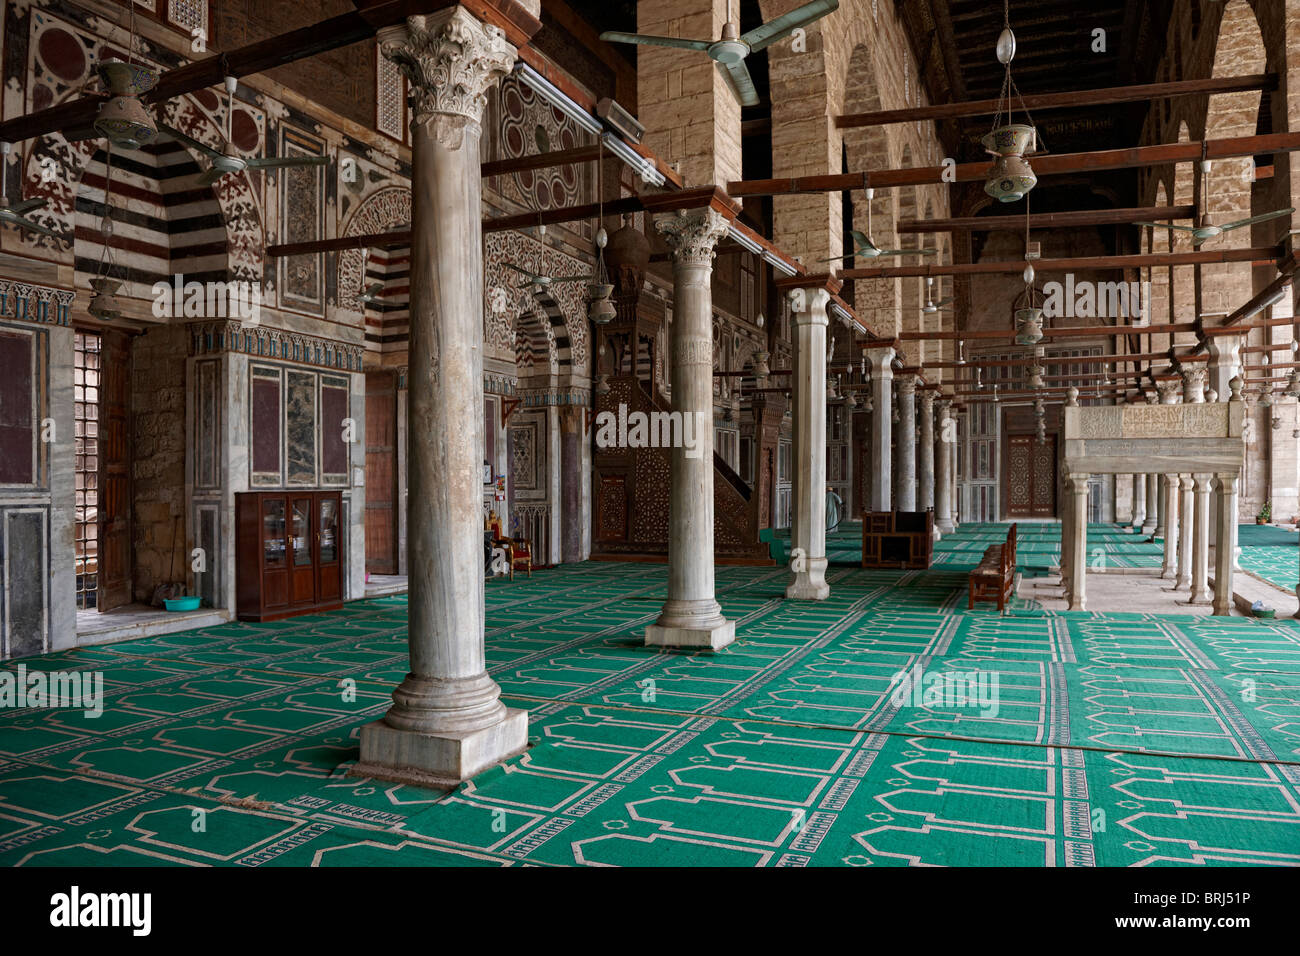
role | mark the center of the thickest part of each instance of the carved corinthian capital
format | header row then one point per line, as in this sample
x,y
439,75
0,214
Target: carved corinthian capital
x,y
692,234
450,60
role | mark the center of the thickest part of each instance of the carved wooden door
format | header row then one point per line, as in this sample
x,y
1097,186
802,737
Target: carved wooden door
x,y
114,517
1029,483
381,472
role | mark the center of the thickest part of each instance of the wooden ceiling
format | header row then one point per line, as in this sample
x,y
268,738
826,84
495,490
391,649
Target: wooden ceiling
x,y
954,43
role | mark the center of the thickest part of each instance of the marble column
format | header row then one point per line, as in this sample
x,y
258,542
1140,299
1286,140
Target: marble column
x,y
882,396
1077,493
1169,394
1139,501
905,494
1153,505
943,482
926,451
1067,539
1201,542
691,616
808,525
1226,488
447,722
1173,486
1186,507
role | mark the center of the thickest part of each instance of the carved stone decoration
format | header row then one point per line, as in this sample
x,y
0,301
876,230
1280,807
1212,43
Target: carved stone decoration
x,y
385,210
693,235
450,60
1194,384
1169,390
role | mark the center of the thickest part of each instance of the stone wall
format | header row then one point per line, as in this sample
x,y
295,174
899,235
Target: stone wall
x,y
158,459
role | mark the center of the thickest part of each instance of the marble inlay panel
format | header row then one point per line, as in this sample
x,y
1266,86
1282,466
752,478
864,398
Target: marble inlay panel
x,y
300,428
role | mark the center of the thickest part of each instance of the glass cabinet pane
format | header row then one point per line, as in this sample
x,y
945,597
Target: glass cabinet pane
x,y
328,530
273,533
301,532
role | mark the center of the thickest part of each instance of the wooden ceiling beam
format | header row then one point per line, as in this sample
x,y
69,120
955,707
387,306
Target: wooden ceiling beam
x,y
1045,165
1265,254
1049,220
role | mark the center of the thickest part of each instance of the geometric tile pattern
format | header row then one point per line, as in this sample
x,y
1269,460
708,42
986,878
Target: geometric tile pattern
x,y
1116,740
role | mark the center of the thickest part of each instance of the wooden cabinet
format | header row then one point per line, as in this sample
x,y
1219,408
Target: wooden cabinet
x,y
288,553
897,539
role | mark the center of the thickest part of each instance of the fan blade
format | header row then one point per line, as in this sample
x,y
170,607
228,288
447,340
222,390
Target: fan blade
x,y
1254,219
189,141
1166,225
27,205
742,85
907,252
211,176
784,25
837,258
276,162
613,36
33,227
860,239
571,279
532,275
942,302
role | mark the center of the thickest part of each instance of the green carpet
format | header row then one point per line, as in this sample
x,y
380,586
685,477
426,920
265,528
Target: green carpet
x,y
1116,740
1271,553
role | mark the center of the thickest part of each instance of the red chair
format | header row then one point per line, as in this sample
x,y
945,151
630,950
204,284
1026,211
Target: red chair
x,y
518,551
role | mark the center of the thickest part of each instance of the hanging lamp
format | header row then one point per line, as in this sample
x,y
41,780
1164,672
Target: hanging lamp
x,y
1011,177
122,118
601,310
104,304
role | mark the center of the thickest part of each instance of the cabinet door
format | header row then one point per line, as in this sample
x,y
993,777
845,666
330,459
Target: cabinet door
x,y
302,566
329,537
275,560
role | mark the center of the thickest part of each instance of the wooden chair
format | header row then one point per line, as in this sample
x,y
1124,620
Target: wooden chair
x,y
994,577
519,552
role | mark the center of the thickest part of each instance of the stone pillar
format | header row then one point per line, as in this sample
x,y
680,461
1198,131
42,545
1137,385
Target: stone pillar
x,y
905,494
1224,366
882,396
1153,505
808,525
1077,488
1201,543
1226,487
691,616
1162,507
447,721
1139,501
926,451
943,486
1186,507
1173,485
1067,539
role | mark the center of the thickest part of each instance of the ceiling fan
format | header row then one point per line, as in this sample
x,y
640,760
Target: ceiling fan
x,y
230,161
537,281
369,293
14,215
931,307
731,48
867,249
1205,228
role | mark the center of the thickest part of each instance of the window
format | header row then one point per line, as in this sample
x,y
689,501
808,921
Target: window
x,y
299,427
85,386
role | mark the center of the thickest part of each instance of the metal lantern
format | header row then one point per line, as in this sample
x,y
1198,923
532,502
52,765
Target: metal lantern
x,y
104,304
1029,326
122,119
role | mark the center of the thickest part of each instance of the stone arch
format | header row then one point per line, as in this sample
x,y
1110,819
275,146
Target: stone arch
x,y
238,206
386,209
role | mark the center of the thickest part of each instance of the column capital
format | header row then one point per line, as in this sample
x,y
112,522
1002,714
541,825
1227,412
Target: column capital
x,y
808,305
881,357
1078,483
450,59
692,234
1194,383
1169,390
906,385
927,401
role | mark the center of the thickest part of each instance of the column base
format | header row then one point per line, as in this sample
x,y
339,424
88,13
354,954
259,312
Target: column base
x,y
1198,602
809,585
1149,528
943,527
715,637
440,760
